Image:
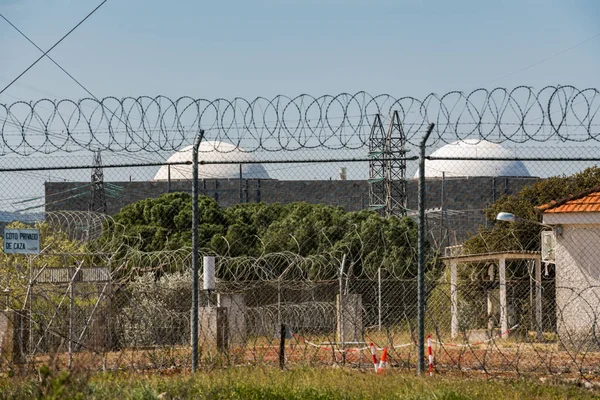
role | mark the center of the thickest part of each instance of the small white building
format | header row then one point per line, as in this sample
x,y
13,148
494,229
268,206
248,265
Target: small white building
x,y
576,229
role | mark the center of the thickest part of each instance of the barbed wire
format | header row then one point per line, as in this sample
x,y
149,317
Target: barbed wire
x,y
136,315
134,304
101,241
333,122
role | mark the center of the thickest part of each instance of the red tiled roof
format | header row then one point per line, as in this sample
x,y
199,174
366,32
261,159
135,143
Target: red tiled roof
x,y
587,201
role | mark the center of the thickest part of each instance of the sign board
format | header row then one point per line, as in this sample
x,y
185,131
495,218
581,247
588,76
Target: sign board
x,y
21,241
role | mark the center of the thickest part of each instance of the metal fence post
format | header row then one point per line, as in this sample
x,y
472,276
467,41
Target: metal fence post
x,y
71,310
421,259
379,298
341,308
31,283
194,318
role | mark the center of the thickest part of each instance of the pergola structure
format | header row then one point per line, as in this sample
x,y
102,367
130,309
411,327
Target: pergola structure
x,y
454,257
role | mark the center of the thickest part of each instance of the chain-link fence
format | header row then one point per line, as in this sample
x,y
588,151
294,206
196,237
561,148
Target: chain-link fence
x,y
309,207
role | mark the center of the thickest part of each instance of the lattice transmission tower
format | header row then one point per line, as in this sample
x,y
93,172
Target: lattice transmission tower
x,y
97,193
387,167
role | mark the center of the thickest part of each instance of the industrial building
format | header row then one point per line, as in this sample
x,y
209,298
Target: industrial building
x,y
457,190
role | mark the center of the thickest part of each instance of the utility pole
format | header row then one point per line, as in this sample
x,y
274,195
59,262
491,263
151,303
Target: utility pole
x,y
395,169
97,193
377,167
387,168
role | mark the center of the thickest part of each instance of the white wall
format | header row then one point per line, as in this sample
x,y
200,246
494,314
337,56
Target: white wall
x,y
578,280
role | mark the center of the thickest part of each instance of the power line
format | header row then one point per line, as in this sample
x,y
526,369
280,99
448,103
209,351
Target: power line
x,y
547,58
52,48
62,69
50,58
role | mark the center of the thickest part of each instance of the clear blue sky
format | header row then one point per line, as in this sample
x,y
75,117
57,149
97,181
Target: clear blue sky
x,y
222,49
262,48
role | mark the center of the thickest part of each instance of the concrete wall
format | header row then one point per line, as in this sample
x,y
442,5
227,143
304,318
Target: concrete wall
x,y
578,281
235,303
349,313
11,337
472,194
352,195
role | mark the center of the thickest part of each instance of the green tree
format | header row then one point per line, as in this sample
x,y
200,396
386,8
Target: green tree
x,y
524,235
369,241
165,222
246,225
305,229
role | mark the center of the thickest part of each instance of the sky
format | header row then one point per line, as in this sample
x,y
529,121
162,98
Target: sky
x,y
266,48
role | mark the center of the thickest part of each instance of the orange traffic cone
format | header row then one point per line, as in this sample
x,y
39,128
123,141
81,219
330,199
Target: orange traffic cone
x,y
383,363
372,347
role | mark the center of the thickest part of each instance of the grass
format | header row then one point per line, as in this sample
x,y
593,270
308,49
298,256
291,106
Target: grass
x,y
270,383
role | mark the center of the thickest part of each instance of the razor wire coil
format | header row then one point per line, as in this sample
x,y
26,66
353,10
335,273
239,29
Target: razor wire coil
x,y
281,123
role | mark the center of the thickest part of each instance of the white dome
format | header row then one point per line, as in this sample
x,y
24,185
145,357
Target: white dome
x,y
213,151
473,148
